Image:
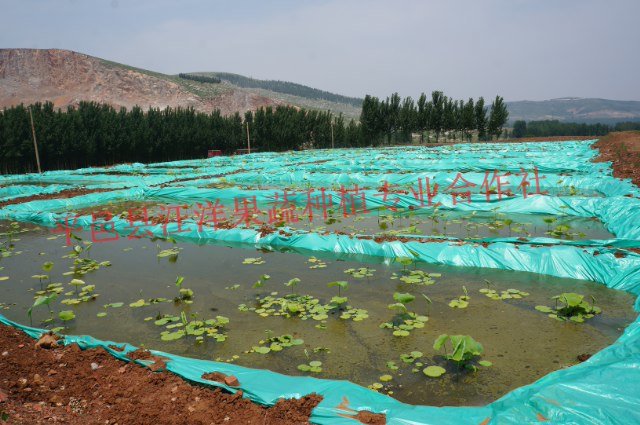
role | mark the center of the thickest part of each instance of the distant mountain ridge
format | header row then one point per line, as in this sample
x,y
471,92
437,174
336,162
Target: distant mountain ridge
x,y
285,87
66,78
575,109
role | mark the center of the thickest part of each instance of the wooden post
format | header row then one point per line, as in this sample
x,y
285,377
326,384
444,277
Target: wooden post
x,y
35,143
332,146
248,139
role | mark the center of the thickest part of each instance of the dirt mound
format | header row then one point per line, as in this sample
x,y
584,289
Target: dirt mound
x,y
71,386
66,78
622,148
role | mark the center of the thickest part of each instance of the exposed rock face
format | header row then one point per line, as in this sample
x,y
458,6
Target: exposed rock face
x,y
66,78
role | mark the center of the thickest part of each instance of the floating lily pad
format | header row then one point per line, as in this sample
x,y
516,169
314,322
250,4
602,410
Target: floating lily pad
x,y
66,315
139,303
434,371
254,261
544,309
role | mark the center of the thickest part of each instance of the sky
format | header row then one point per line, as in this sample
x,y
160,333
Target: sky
x,y
519,49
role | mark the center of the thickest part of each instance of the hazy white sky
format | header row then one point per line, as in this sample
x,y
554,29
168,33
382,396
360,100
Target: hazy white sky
x,y
520,49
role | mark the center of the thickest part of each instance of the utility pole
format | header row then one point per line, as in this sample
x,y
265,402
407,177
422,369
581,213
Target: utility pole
x,y
35,143
332,146
248,139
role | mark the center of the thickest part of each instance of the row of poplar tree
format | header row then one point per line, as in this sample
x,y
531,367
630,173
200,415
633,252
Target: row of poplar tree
x,y
95,134
396,119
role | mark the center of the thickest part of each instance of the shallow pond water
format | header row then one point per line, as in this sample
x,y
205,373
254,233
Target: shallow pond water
x,y
522,343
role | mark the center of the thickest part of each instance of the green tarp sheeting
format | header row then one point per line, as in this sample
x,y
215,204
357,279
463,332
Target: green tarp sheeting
x,y
605,389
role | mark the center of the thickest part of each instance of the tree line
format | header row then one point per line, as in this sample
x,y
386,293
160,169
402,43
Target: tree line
x,y
200,78
548,128
94,134
395,119
288,88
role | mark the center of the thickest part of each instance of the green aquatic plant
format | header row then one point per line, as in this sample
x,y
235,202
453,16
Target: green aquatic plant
x,y
260,283
292,283
83,292
549,221
254,261
314,366
508,222
50,288
42,300
185,295
404,321
41,278
571,306
170,253
8,248
429,302
510,293
76,283
462,301
302,306
462,350
405,261
66,315
47,266
417,277
340,284
177,327
434,371
401,301
316,263
361,272
276,343
82,266
411,357
391,365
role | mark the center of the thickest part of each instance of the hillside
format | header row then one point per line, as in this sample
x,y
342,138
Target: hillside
x,y
66,78
573,109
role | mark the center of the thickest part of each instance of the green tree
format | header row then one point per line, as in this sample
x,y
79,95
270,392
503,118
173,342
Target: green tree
x,y
481,119
498,117
436,117
468,119
519,129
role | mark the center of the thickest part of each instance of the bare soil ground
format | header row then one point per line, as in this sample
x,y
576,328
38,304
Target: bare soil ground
x,y
71,386
622,148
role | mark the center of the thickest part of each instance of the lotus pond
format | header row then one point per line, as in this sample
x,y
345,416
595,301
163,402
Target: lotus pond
x,y
363,319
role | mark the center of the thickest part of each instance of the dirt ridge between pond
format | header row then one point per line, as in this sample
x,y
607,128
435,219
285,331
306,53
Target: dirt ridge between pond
x,y
63,194
72,386
622,149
